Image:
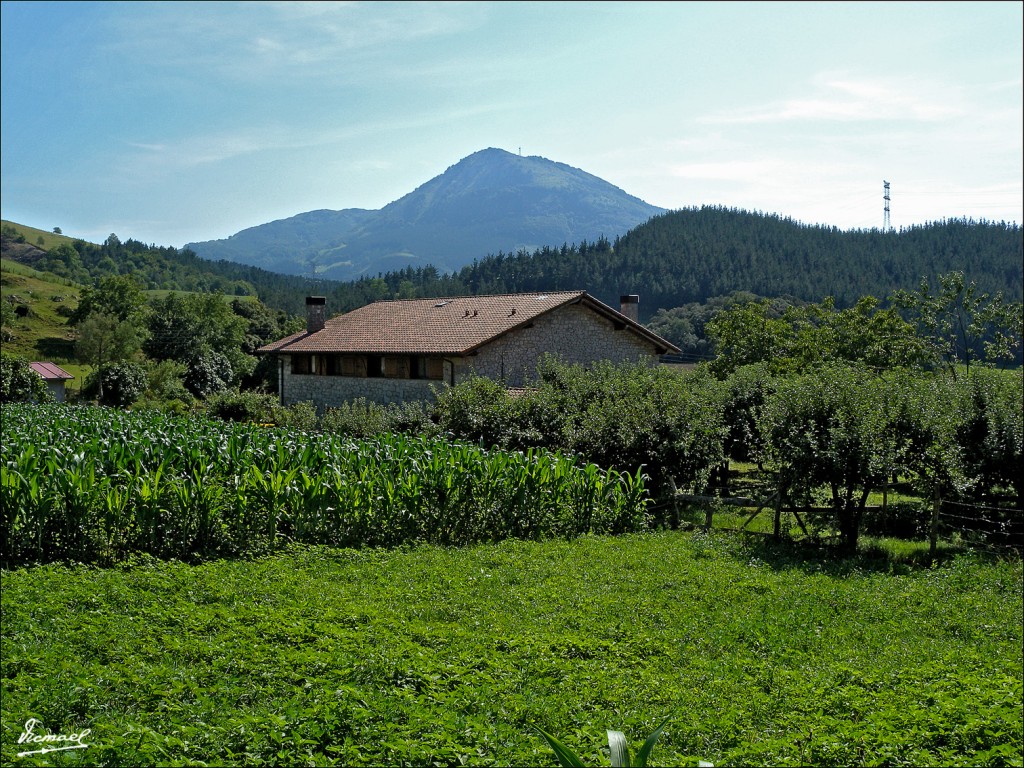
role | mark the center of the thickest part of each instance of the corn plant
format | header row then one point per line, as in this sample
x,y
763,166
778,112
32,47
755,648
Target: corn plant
x,y
96,484
617,746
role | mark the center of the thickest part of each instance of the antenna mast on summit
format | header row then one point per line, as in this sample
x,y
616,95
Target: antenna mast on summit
x,y
886,226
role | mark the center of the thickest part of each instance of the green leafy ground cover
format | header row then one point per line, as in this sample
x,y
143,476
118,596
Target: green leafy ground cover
x,y
758,653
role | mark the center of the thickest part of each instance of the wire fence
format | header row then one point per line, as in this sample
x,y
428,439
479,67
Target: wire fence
x,y
992,525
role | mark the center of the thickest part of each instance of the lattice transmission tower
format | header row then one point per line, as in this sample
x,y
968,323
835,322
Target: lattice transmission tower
x,y
886,226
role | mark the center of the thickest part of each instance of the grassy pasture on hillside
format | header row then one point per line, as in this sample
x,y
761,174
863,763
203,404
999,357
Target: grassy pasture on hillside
x,y
759,654
33,236
43,334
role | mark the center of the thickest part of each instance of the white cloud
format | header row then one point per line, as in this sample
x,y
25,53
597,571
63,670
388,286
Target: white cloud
x,y
842,98
254,41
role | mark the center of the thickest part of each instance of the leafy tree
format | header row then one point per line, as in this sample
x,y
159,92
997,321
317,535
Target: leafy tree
x,y
103,339
961,323
188,328
120,296
57,231
19,383
120,383
834,427
65,261
208,373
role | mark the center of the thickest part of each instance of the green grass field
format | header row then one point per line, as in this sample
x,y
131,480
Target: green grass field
x,y
33,236
759,653
43,334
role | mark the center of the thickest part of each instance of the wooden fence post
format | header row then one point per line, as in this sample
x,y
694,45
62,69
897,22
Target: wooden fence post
x,y
933,527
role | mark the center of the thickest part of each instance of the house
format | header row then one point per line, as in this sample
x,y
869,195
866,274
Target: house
x,y
395,351
54,376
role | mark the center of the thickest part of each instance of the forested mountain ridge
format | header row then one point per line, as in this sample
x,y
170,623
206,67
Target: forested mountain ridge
x,y
692,255
491,200
674,259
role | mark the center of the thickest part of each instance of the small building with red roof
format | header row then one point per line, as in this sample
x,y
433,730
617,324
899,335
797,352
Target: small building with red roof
x,y
54,376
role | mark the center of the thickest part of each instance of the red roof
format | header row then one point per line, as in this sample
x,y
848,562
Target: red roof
x,y
456,325
50,372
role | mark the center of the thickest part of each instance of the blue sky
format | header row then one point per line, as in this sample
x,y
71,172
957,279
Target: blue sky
x,y
178,122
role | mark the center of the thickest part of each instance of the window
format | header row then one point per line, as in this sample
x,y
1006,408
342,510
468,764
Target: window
x,y
300,364
374,366
396,367
352,365
426,368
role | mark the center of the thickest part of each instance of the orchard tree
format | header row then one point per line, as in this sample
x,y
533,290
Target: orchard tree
x,y
833,427
750,333
962,324
864,333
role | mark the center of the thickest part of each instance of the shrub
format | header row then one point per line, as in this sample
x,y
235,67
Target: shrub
x,y
166,381
243,406
208,373
300,416
362,418
19,383
483,411
629,416
122,383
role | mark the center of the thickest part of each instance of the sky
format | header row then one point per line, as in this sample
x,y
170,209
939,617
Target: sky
x,y
181,122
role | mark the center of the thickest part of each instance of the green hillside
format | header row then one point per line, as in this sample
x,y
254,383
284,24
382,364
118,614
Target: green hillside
x,y
157,268
42,304
38,237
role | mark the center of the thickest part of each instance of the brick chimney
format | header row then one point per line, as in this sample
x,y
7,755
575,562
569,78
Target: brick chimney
x,y
630,307
316,313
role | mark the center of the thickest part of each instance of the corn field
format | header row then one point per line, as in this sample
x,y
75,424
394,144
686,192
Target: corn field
x,y
95,485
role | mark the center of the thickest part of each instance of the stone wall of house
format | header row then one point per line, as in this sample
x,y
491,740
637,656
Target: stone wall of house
x,y
576,334
331,391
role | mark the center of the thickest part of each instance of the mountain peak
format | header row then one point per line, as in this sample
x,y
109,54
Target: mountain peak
x,y
490,201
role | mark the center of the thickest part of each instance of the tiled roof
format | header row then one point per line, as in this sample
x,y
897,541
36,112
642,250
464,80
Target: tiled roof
x,y
50,372
455,326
